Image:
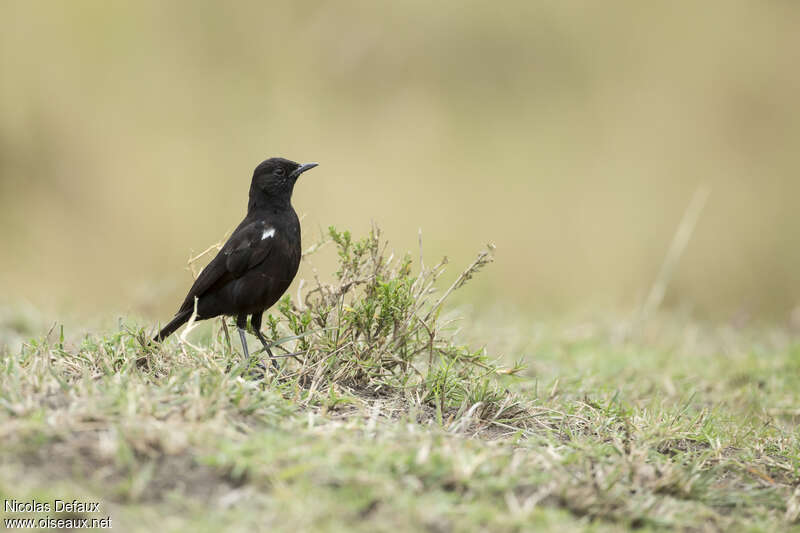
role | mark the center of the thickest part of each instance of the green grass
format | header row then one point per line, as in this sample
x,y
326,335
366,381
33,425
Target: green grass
x,y
386,422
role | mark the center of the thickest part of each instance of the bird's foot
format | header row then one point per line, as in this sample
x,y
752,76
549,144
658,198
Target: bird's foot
x,y
268,350
256,370
251,368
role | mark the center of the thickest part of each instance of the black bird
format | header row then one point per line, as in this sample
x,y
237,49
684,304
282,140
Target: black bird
x,y
259,261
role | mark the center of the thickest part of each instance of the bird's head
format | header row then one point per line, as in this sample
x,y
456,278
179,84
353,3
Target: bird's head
x,y
274,179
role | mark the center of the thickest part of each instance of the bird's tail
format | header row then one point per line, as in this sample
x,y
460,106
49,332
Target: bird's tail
x,y
180,319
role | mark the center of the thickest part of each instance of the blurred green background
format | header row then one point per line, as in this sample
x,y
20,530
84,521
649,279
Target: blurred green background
x,y
571,134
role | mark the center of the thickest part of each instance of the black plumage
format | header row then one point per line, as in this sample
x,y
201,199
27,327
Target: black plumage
x,y
258,262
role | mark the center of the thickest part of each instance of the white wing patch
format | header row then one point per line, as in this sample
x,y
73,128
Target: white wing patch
x,y
268,233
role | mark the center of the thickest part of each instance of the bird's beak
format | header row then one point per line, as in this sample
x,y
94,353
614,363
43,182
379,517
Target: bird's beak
x,y
302,168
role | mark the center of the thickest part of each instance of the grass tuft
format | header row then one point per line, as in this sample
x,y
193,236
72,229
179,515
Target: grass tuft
x,y
377,333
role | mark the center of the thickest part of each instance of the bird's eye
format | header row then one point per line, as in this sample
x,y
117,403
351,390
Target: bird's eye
x,y
279,171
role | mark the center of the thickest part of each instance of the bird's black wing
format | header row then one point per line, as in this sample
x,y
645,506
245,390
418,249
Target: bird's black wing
x,y
249,245
250,248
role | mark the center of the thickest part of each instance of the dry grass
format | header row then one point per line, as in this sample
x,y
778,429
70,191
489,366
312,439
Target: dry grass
x,y
383,421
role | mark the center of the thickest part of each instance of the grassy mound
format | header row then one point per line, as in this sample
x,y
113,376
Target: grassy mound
x,y
380,420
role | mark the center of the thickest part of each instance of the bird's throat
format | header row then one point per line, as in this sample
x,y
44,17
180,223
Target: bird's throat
x,y
261,201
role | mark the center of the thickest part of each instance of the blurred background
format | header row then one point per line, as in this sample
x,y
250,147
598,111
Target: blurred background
x,y
572,135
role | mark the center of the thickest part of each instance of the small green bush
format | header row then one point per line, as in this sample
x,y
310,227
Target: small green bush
x,y
376,332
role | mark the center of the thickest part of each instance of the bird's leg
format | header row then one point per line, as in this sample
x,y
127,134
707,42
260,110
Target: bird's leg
x,y
258,370
244,344
255,321
241,323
